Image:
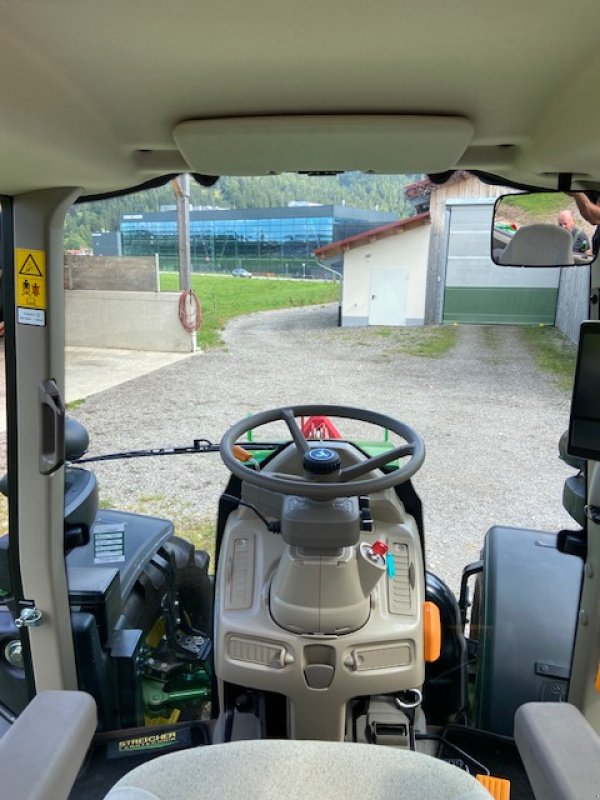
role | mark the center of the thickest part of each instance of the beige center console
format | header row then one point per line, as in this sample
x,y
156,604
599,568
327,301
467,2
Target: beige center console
x,y
325,621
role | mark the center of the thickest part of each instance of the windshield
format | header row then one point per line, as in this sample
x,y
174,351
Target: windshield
x,y
341,309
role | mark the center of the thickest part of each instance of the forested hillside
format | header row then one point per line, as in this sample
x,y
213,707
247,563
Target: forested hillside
x,y
377,192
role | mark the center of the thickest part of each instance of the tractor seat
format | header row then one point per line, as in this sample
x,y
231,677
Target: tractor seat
x,y
77,441
537,245
296,770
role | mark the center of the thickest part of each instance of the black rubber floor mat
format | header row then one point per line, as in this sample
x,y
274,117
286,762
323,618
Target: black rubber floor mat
x,y
112,755
498,754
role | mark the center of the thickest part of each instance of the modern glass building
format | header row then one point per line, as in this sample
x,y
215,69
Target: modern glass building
x,y
262,240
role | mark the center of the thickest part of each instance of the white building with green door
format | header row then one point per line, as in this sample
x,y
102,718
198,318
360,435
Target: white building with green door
x,y
478,291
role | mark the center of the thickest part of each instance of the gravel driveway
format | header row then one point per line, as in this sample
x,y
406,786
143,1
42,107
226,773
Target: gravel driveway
x,y
491,421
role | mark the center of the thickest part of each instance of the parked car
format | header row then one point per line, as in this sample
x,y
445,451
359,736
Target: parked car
x,y
240,272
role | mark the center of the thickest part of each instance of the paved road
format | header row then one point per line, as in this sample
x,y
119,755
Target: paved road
x,y
90,370
491,421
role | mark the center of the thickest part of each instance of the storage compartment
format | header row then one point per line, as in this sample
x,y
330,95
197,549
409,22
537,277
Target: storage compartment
x,y
527,620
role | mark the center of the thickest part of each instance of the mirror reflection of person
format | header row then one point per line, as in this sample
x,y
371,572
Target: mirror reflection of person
x,y
590,211
581,244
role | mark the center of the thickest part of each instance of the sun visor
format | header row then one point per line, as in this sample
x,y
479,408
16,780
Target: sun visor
x,y
387,144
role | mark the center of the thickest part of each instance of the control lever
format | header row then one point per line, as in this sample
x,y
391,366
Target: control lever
x,y
371,564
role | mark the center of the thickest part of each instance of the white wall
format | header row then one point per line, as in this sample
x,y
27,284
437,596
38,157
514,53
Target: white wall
x,y
407,252
126,320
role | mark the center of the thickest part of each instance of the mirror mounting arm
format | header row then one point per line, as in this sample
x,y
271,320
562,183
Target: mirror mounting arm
x,y
565,179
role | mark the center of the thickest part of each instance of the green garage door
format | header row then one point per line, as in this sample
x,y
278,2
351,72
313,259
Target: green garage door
x,y
476,290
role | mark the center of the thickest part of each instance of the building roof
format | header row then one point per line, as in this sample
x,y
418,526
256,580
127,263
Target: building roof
x,y
360,239
419,188
368,216
425,186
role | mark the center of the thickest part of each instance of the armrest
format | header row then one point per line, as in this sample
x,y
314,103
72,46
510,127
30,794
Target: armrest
x,y
41,753
560,751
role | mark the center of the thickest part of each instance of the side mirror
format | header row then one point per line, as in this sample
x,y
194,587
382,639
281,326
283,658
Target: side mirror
x,y
540,229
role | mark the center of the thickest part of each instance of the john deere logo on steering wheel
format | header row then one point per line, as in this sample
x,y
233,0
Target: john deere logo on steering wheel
x,y
322,454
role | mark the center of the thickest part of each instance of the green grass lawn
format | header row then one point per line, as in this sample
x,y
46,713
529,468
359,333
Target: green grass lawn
x,y
426,341
224,297
543,205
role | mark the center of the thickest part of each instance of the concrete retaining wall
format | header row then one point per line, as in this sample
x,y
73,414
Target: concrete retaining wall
x,y
126,320
128,274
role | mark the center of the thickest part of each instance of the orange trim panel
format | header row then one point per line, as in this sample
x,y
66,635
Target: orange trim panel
x,y
499,788
432,631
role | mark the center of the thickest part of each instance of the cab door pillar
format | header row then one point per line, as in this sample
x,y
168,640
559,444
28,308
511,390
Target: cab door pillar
x,y
35,417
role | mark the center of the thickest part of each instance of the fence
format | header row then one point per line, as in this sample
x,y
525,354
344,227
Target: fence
x,y
572,306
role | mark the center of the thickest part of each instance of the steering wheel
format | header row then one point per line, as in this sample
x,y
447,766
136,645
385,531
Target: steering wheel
x,y
324,487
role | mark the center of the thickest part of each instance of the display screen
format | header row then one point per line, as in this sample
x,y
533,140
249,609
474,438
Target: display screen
x,y
584,426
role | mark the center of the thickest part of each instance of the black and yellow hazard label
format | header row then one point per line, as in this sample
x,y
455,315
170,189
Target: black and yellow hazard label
x,y
163,740
150,742
31,278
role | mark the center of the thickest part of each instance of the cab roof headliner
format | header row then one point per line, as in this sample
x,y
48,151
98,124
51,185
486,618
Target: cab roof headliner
x,y
95,93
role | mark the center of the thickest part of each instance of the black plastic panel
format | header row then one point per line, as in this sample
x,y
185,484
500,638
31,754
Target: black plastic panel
x,y
584,423
530,601
95,672
4,565
97,590
574,498
81,497
445,690
13,686
142,537
125,649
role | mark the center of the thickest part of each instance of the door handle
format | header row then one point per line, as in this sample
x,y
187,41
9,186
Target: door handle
x,y
52,434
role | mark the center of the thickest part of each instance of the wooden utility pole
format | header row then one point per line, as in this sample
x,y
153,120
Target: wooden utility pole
x,y
181,187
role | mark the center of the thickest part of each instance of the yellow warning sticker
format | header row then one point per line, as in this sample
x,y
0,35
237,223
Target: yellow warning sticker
x,y
31,278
